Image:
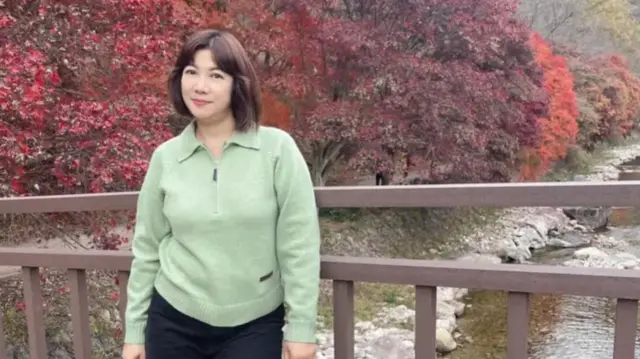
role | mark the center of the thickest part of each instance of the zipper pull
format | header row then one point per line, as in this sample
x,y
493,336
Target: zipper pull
x,y
215,174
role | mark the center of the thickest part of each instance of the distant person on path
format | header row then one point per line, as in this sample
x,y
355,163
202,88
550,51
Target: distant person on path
x,y
381,174
227,242
406,164
379,178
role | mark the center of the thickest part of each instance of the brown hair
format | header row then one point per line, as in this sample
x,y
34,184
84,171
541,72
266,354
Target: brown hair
x,y
231,57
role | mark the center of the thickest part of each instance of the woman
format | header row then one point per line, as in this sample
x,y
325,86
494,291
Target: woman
x,y
226,229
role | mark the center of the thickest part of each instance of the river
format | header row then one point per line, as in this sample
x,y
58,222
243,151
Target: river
x,y
584,328
561,327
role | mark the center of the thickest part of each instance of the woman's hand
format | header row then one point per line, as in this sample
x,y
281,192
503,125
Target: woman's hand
x,y
293,350
133,351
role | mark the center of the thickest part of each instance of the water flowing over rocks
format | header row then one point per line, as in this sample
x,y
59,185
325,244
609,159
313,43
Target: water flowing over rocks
x,y
607,169
521,231
597,258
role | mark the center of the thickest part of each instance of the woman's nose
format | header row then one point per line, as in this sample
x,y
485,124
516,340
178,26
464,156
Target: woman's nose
x,y
201,85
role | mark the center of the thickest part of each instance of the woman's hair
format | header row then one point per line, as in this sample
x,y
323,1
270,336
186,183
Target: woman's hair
x,y
230,57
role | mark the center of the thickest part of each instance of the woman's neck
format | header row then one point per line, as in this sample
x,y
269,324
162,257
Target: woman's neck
x,y
215,131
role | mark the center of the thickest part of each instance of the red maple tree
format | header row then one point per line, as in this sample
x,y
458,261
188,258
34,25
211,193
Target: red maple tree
x,y
82,96
81,104
361,84
368,84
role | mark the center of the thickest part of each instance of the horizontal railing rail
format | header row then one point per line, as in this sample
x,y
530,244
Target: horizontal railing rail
x,y
530,278
535,194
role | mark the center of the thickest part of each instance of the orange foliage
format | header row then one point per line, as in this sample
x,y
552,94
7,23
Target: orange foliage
x,y
560,128
275,112
622,95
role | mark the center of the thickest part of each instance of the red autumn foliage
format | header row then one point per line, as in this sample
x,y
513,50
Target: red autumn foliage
x,y
462,93
83,117
275,113
452,82
365,88
560,127
359,85
80,101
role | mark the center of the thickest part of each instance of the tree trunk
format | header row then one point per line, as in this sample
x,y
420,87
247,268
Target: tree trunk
x,y
317,178
323,157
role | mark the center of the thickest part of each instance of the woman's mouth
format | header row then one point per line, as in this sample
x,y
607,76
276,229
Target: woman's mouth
x,y
200,103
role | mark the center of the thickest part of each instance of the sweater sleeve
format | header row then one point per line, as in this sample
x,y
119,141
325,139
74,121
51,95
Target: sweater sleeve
x,y
298,242
150,228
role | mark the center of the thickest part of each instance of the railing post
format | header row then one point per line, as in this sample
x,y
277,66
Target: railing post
x,y
517,325
123,280
3,342
624,343
34,313
425,334
343,320
80,314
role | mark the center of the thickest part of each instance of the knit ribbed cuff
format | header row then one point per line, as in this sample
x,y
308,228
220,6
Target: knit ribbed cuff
x,y
300,332
134,334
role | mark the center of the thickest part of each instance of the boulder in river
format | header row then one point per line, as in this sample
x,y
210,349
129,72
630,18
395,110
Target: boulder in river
x,y
595,218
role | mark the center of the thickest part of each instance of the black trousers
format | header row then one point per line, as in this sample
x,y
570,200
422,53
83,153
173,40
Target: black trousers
x,y
173,335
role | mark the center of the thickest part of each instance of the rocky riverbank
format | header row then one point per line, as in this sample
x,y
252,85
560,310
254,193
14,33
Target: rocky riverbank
x,y
514,237
390,334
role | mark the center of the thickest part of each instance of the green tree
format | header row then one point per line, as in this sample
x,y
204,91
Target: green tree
x,y
616,18
593,27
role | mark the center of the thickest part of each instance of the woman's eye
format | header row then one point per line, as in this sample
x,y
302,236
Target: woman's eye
x,y
190,72
217,76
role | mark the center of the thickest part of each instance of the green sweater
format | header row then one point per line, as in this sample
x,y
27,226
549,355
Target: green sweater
x,y
227,241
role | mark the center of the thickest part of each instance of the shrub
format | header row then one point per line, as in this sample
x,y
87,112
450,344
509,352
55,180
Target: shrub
x,y
608,97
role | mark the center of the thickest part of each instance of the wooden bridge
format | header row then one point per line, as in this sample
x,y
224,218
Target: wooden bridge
x,y
426,275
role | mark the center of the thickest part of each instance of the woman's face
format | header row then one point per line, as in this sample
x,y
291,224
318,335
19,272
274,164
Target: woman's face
x,y
206,90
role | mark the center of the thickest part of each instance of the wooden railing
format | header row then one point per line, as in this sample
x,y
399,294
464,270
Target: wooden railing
x,y
519,281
